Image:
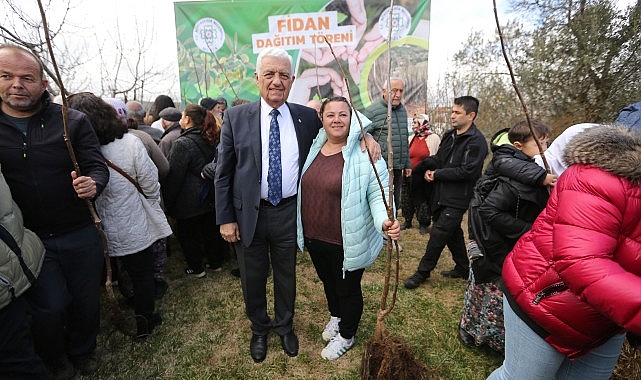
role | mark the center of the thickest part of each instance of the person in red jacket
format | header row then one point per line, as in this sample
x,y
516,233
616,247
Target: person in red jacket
x,y
571,284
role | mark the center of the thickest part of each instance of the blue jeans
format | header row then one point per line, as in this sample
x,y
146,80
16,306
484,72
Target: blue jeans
x,y
65,300
529,357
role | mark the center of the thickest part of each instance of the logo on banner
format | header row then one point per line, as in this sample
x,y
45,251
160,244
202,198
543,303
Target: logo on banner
x,y
401,22
209,35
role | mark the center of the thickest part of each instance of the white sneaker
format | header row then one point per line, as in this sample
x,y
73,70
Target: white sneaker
x,y
336,347
331,329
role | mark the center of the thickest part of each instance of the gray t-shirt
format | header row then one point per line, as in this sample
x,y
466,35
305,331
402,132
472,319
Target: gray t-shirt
x,y
22,123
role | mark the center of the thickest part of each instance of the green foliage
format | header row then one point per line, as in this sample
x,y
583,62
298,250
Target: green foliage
x,y
573,62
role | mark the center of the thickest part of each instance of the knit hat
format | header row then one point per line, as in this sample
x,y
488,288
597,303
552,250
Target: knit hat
x,y
119,106
208,103
170,114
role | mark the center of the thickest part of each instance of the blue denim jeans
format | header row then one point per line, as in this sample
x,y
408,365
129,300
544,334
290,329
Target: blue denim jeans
x,y
528,356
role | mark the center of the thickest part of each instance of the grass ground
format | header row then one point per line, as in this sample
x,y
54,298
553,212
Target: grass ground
x,y
205,334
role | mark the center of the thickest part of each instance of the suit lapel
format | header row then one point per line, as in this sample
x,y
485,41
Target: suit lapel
x,y
298,126
253,124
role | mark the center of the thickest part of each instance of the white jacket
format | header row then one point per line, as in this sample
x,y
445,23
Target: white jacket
x,y
131,222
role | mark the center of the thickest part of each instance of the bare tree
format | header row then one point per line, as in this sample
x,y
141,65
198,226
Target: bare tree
x,y
117,66
22,26
577,61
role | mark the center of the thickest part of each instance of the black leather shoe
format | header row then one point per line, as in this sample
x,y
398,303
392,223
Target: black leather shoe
x,y
258,347
454,274
289,342
415,280
465,338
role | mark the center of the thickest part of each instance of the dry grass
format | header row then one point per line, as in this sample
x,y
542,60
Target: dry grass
x,y
205,334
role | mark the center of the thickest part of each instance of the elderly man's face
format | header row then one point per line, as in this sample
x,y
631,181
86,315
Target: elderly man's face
x,y
21,85
396,89
275,80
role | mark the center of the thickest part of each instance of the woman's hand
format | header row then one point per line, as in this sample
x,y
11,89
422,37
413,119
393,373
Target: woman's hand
x,y
392,229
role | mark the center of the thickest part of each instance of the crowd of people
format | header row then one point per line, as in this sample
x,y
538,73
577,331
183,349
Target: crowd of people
x,y
552,260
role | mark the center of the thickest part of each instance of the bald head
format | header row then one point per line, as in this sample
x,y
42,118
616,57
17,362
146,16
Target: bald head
x,y
21,81
20,50
135,111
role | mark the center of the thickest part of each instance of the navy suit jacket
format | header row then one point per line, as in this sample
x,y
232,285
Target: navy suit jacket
x,y
238,175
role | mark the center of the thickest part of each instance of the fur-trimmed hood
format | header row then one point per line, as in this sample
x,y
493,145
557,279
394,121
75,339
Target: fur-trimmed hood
x,y
614,149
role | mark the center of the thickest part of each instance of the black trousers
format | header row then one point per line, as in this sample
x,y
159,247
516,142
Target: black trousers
x,y
274,244
140,267
18,359
65,301
411,205
200,238
398,183
446,231
343,293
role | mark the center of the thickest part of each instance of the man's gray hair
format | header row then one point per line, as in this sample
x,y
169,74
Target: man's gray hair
x,y
273,52
393,79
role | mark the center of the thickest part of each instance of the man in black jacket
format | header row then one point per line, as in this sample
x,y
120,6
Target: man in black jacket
x,y
453,171
65,301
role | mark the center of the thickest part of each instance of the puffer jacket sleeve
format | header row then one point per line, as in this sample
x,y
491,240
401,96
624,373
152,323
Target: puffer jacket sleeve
x,y
374,196
498,209
146,172
587,231
527,172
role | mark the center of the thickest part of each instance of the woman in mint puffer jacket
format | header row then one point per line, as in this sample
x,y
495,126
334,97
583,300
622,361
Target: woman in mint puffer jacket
x,y
342,219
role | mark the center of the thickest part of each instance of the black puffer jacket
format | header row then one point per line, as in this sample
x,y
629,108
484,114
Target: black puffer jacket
x,y
507,199
184,190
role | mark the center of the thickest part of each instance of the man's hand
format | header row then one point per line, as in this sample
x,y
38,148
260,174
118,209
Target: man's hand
x,y
372,146
407,172
84,186
429,176
230,232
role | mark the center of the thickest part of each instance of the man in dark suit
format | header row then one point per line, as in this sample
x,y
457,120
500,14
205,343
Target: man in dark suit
x,y
264,230
259,219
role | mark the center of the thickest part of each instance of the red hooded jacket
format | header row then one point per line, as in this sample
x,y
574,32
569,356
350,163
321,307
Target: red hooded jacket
x,y
575,277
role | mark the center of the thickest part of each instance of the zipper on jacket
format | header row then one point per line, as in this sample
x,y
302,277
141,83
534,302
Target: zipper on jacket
x,y
5,283
549,291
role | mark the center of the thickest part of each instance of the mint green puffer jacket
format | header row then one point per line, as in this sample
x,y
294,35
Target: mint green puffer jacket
x,y
362,209
13,280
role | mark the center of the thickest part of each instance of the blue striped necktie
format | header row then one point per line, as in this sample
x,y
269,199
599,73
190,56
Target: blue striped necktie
x,y
274,173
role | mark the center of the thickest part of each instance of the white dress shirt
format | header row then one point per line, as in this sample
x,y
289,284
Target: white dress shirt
x,y
288,149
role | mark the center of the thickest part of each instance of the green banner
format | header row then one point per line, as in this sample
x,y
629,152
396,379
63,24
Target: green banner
x,y
218,42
